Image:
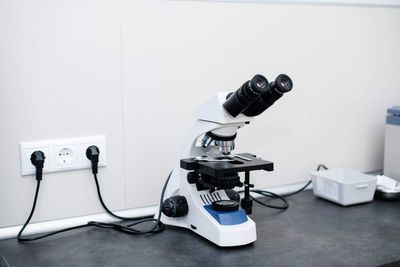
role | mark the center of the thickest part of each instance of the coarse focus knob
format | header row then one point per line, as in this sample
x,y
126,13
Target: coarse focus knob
x,y
175,206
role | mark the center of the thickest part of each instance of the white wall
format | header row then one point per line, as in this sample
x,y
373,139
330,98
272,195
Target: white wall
x,y
136,71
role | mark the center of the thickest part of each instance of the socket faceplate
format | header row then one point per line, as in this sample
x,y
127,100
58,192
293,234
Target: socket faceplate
x,y
62,154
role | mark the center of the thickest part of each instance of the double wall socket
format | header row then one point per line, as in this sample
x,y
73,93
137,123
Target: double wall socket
x,y
62,154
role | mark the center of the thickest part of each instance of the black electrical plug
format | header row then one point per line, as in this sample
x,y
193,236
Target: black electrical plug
x,y
37,159
92,153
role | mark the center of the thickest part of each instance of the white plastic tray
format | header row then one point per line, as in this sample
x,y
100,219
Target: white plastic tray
x,y
344,186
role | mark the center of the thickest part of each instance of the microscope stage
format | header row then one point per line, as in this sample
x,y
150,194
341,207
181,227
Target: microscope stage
x,y
241,163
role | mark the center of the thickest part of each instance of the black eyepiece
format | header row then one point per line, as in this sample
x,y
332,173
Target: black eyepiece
x,y
277,88
282,83
249,92
256,95
259,85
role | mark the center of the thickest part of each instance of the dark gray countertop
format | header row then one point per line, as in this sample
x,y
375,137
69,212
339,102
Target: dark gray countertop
x,y
312,232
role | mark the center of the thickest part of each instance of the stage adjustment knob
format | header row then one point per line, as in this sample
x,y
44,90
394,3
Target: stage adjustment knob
x,y
175,206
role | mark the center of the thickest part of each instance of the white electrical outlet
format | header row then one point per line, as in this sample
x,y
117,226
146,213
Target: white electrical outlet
x,y
62,154
65,157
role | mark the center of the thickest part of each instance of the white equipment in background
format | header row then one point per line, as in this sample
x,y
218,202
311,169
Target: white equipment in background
x,y
391,166
343,186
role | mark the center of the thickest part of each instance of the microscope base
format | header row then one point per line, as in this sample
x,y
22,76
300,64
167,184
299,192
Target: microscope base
x,y
225,229
221,235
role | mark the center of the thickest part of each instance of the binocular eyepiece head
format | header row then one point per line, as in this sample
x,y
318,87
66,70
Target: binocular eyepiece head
x,y
256,95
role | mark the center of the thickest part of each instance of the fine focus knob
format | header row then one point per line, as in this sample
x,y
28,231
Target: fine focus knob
x,y
175,206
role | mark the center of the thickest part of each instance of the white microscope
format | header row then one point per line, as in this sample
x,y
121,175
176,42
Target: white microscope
x,y
200,195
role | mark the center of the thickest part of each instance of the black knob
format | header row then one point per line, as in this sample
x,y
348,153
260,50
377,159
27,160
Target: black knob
x,y
175,206
225,205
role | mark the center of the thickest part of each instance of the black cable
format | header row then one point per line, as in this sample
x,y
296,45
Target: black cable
x,y
37,237
92,153
31,214
158,226
282,197
320,166
107,209
272,196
